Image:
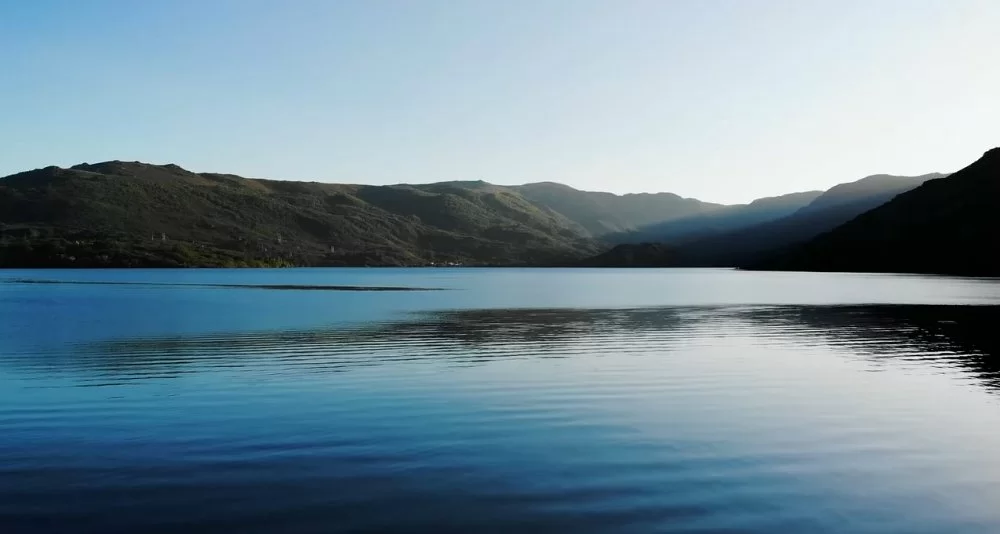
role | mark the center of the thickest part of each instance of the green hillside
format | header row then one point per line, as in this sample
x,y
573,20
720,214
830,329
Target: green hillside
x,y
136,214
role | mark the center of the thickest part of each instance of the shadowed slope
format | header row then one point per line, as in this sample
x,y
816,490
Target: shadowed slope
x,y
947,225
834,207
718,221
600,214
739,235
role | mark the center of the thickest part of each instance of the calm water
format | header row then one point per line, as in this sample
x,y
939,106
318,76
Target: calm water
x,y
500,401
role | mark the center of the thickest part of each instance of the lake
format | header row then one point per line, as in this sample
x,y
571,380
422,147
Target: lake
x,y
498,400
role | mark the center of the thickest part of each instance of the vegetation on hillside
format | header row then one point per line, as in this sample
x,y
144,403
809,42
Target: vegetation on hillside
x,y
135,214
130,214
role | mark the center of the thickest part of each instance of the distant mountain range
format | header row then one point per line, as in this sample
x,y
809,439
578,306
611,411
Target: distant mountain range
x,y
741,235
685,229
137,214
827,211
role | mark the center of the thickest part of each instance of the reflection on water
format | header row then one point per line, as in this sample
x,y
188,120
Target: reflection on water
x,y
958,337
962,338
754,419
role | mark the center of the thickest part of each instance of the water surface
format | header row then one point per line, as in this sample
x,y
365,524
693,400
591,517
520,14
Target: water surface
x,y
498,401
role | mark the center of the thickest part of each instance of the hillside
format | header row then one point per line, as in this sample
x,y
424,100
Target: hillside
x,y
599,214
717,221
834,207
698,242
767,223
871,192
947,225
135,214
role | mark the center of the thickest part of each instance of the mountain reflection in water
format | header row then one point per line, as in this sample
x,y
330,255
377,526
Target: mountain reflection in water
x,y
750,419
957,337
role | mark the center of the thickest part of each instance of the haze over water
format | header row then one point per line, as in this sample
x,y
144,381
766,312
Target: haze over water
x,y
498,401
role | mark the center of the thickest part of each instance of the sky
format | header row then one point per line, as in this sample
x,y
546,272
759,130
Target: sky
x,y
721,100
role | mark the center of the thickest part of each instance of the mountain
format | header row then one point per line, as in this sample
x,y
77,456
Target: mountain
x,y
834,207
599,214
870,192
796,217
698,242
717,221
947,225
136,214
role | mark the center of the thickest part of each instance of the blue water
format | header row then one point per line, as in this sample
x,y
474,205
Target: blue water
x,y
498,401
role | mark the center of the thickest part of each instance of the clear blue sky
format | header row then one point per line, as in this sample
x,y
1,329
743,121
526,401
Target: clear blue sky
x,y
720,100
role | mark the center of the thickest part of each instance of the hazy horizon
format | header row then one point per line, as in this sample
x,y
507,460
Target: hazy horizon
x,y
722,101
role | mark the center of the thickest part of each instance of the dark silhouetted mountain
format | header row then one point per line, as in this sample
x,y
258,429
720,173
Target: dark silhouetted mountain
x,y
136,214
604,213
834,207
867,193
947,225
698,242
718,221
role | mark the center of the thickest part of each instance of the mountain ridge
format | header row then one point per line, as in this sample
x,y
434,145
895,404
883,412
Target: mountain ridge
x,y
718,221
946,226
121,213
138,214
706,241
838,205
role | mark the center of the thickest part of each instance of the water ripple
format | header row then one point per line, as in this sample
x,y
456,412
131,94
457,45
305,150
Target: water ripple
x,y
680,419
